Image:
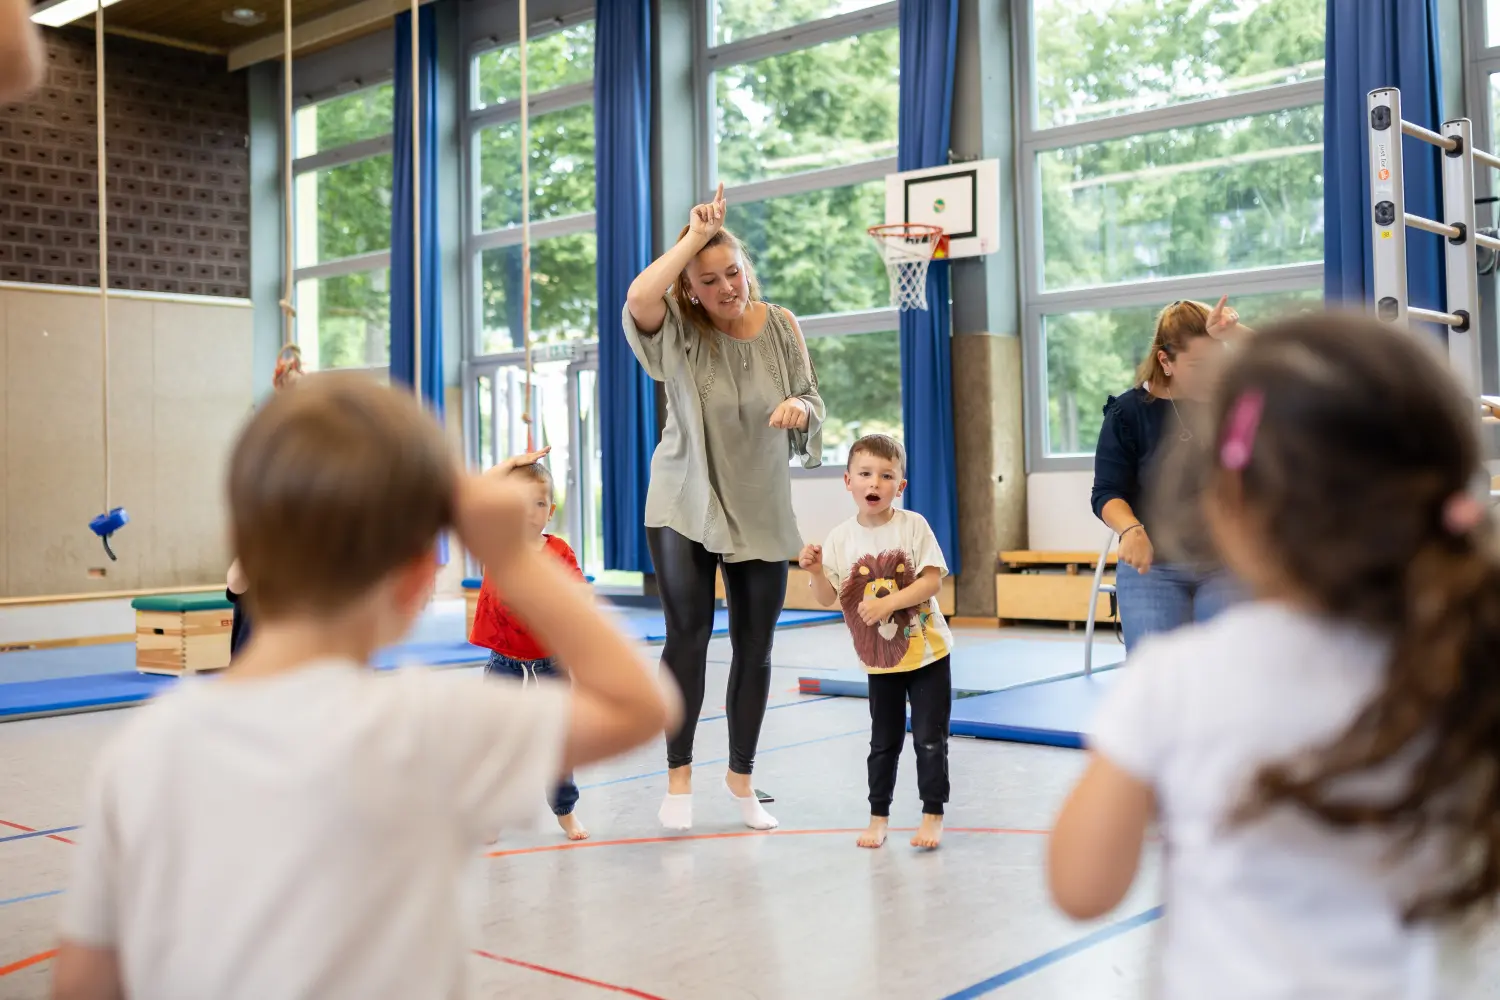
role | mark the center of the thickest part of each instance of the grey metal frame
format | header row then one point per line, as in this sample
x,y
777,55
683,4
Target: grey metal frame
x,y
1036,304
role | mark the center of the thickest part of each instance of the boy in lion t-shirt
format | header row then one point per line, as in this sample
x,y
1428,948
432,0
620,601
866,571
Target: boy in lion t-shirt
x,y
884,567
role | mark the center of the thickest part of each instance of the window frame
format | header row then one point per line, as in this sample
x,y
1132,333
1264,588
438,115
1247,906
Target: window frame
x,y
477,240
324,159
1037,303
707,59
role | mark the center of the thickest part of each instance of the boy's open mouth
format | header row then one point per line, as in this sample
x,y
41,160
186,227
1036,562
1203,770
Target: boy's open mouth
x,y
872,498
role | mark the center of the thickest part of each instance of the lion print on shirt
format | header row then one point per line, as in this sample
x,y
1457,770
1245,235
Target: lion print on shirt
x,y
886,645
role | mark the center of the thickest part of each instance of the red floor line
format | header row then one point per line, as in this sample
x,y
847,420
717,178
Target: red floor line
x,y
36,959
569,976
32,829
735,835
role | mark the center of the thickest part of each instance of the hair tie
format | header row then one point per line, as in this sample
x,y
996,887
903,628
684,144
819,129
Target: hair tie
x,y
1240,429
1462,513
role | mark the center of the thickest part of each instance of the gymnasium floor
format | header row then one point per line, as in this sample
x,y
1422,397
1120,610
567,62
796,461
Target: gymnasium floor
x,y
719,914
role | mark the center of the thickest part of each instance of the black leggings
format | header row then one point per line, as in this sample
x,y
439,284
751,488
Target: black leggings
x,y
930,690
756,591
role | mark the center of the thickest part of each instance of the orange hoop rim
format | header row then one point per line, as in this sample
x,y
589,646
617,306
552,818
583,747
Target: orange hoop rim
x,y
906,229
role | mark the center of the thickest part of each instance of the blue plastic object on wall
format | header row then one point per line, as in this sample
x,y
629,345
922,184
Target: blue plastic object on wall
x,y
107,524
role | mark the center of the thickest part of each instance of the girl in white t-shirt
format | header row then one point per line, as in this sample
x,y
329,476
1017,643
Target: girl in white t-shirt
x,y
1323,763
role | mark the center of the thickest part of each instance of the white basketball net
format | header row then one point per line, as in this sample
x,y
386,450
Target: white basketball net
x,y
907,252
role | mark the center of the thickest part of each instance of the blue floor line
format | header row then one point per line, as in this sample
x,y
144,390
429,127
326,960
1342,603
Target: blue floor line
x,y
785,704
724,760
1056,955
34,895
37,833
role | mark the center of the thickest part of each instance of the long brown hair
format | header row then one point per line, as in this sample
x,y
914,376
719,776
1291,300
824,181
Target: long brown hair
x,y
1356,475
1176,325
696,316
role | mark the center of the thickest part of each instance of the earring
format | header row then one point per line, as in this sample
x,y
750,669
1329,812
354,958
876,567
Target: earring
x,y
693,301
1165,371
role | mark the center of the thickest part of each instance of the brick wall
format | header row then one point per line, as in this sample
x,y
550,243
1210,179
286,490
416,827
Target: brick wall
x,y
178,180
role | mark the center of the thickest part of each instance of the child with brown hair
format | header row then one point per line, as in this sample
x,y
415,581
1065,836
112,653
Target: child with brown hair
x,y
298,826
1323,762
514,651
884,566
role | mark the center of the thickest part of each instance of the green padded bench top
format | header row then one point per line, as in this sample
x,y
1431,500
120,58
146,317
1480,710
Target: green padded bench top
x,y
175,603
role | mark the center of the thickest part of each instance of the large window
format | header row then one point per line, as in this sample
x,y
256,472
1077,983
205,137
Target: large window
x,y
342,213
1170,149
800,102
564,298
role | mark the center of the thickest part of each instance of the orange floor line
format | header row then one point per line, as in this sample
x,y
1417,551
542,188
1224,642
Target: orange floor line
x,y
32,829
27,963
569,976
735,835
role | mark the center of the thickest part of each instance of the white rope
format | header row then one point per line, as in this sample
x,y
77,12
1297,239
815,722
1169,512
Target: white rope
x,y
103,232
416,209
288,192
526,232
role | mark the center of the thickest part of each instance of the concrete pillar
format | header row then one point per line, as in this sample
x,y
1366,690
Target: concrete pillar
x,y
987,369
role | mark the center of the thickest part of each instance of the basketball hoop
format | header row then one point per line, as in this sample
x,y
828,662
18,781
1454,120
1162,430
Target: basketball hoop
x,y
907,248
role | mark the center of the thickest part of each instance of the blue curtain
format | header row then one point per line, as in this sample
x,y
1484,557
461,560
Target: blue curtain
x,y
622,154
929,36
1373,44
402,295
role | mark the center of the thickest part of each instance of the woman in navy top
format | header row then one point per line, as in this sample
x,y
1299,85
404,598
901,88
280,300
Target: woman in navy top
x,y
1166,404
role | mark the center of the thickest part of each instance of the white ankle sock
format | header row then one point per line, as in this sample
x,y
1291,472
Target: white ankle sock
x,y
752,812
676,812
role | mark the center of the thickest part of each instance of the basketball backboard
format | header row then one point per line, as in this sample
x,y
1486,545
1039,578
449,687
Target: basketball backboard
x,y
963,198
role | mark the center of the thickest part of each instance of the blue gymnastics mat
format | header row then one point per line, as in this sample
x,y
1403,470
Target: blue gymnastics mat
x,y
984,667
60,681
1054,713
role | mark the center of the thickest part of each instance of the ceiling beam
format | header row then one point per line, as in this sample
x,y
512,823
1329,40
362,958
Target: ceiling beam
x,y
176,43
320,31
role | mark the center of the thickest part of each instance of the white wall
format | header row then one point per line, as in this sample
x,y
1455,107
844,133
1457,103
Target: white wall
x,y
820,503
1058,515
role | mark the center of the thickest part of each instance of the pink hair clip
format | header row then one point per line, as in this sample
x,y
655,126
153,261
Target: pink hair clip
x,y
1462,513
1240,428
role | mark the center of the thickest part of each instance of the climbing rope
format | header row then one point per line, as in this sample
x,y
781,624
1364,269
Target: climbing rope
x,y
113,518
416,207
288,192
526,234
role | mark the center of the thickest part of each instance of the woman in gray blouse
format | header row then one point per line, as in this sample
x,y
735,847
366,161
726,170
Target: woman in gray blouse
x,y
742,400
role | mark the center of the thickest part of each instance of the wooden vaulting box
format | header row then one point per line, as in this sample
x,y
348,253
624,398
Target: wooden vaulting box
x,y
182,634
471,603
1050,586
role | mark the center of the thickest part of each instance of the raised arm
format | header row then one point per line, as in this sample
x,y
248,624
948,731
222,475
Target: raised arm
x,y
644,299
1224,323
21,58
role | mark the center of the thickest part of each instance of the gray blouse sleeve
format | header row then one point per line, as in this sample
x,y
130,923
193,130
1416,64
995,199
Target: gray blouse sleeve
x,y
660,353
807,445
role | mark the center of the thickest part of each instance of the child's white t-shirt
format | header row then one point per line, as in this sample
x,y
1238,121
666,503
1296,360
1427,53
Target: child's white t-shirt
x,y
303,836
1284,907
861,561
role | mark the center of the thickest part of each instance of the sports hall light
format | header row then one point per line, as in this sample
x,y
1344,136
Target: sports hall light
x,y
61,12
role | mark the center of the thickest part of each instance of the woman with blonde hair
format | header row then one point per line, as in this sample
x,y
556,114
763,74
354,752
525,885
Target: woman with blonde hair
x,y
1162,411
742,401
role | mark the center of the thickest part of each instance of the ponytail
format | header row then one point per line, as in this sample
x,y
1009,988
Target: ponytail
x,y
1438,717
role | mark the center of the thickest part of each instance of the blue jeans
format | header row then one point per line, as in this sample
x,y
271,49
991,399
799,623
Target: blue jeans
x,y
565,796
1167,596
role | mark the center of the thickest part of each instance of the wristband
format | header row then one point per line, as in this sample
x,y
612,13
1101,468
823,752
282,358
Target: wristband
x,y
1130,529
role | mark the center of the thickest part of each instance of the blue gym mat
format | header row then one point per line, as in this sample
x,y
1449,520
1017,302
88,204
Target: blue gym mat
x,y
980,668
78,679
1054,713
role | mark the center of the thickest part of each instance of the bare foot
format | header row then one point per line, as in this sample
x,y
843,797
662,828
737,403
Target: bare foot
x,y
574,829
875,835
930,833
680,780
739,784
